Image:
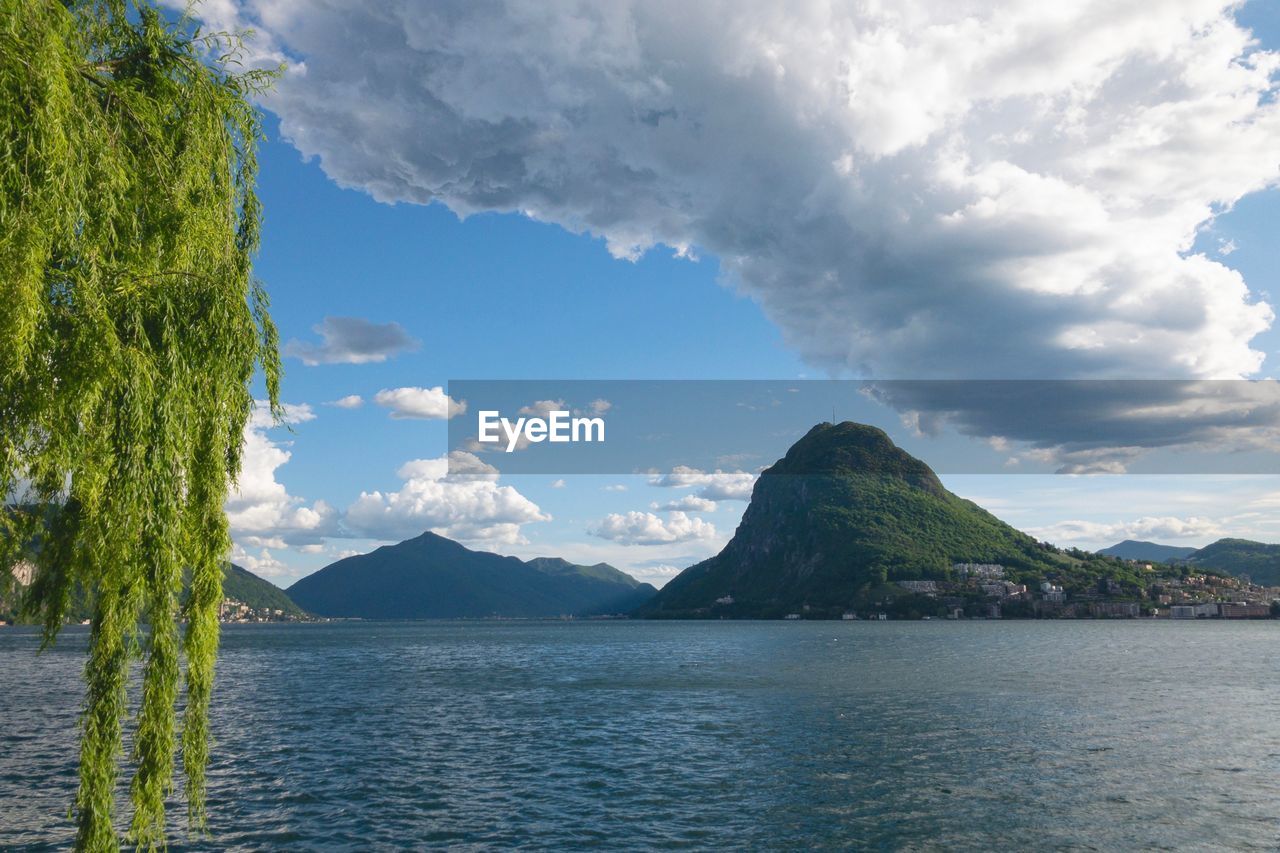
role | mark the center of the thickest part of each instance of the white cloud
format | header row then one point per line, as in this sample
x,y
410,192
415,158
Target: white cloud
x,y
351,340
1159,529
259,508
263,563
657,573
290,414
557,484
425,403
926,189
264,542
467,504
688,503
615,487
645,528
351,401
714,486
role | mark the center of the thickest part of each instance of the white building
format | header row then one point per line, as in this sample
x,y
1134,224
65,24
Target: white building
x,y
989,571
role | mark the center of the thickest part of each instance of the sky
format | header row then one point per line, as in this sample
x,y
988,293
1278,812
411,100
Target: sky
x,y
767,191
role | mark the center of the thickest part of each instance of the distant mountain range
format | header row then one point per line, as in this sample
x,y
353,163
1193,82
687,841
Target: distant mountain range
x,y
431,577
840,523
1240,557
1258,560
840,517
1136,549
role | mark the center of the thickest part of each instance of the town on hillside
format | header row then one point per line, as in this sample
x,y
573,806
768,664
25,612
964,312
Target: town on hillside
x,y
233,611
1164,591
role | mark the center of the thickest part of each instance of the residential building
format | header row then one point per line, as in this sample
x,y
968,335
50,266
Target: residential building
x,y
1243,610
989,571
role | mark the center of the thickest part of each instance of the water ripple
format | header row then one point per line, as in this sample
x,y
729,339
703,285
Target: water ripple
x,y
916,736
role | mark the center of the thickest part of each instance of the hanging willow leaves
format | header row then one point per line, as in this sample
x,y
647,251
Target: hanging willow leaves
x,y
130,328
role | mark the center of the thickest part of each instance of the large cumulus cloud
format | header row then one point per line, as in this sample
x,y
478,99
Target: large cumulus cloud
x,y
915,189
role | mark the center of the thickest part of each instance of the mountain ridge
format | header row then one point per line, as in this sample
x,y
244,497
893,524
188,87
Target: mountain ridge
x,y
1138,549
840,520
433,577
238,584
1260,561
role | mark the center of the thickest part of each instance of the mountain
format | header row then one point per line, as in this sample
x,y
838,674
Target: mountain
x,y
246,587
1135,549
845,512
237,583
431,577
1258,560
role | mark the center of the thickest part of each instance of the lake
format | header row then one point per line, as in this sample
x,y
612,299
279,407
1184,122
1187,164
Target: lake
x,y
884,735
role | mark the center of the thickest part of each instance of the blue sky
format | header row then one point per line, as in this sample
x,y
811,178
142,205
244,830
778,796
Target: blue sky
x,y
548,252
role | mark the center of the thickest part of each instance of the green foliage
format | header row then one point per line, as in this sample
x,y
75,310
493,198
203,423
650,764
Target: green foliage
x,y
131,329
1260,561
844,513
237,583
244,586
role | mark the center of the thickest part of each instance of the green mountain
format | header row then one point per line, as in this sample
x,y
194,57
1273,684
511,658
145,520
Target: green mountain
x,y
237,583
244,586
842,515
1258,560
1135,549
431,577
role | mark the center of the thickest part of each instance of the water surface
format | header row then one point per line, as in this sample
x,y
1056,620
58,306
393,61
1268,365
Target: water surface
x,y
892,735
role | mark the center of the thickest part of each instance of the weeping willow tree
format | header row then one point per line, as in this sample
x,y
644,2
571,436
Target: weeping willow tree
x,y
130,328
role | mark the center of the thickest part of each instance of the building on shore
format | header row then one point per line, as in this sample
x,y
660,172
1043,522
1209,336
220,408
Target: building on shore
x,y
1244,610
1221,610
1114,609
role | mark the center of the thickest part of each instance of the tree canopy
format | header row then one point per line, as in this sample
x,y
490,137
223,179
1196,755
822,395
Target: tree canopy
x,y
131,329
